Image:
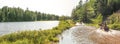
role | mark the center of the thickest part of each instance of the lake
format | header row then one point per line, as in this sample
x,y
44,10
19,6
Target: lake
x,y
8,27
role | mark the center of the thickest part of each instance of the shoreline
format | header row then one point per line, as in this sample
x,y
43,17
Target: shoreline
x,y
47,36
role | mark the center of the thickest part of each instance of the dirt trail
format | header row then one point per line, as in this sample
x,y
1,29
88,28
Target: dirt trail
x,y
102,37
92,35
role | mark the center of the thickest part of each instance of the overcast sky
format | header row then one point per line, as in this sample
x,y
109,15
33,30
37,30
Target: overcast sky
x,y
58,7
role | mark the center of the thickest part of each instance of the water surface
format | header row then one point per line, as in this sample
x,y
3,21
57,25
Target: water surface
x,y
8,27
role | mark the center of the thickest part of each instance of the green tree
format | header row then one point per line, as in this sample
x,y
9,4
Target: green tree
x,y
18,14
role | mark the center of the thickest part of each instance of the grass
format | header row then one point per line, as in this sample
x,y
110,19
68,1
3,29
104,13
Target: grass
x,y
37,36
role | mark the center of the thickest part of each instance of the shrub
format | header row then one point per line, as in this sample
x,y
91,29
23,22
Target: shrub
x,y
116,26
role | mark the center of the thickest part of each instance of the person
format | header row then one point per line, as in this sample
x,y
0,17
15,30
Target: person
x,y
101,25
106,28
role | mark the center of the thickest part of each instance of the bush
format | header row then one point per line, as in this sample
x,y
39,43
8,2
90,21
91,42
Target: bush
x,y
116,26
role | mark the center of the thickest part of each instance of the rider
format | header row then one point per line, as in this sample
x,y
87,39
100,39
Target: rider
x,y
101,25
104,26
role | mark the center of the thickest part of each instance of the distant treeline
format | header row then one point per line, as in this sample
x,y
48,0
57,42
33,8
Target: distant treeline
x,y
8,14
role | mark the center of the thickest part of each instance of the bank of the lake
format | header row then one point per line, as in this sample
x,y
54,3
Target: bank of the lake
x,y
37,36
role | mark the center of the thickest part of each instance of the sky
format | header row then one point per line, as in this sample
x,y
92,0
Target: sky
x,y
57,7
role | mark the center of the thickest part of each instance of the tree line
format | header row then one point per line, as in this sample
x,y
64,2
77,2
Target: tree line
x,y
94,8
9,14
93,12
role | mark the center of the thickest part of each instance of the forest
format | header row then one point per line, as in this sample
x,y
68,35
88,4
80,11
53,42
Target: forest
x,y
10,14
94,12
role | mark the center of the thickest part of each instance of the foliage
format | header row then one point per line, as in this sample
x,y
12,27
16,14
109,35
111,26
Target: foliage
x,y
96,21
83,12
115,26
37,36
114,18
64,18
114,21
106,7
18,14
92,8
94,12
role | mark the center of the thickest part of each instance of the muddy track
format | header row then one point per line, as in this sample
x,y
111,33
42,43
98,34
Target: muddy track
x,y
92,35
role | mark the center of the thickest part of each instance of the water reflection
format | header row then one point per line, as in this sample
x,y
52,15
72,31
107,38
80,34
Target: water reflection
x,y
8,27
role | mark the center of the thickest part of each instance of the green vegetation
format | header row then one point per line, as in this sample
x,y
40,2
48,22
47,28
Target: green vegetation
x,y
93,12
114,21
64,18
37,36
83,12
8,14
